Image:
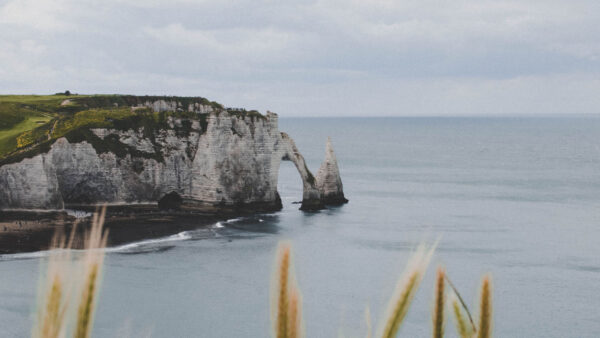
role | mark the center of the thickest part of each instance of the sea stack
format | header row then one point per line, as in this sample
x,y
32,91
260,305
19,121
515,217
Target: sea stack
x,y
329,181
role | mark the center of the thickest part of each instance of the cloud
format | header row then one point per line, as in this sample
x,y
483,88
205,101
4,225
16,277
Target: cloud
x,y
233,41
317,57
39,15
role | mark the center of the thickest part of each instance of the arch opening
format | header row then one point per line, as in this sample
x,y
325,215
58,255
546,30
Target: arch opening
x,y
289,184
311,197
171,201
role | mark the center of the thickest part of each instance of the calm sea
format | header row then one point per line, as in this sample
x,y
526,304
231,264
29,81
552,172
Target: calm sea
x,y
516,197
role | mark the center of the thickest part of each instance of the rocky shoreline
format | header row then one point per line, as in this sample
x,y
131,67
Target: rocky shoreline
x,y
30,231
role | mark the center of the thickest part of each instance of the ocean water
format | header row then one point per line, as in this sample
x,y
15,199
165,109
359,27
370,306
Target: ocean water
x,y
515,197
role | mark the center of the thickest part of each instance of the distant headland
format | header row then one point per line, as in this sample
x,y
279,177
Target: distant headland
x,y
147,154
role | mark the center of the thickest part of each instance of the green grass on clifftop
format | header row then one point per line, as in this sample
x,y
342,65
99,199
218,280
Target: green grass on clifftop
x,y
21,114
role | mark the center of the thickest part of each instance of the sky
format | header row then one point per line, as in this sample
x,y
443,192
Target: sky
x,y
313,58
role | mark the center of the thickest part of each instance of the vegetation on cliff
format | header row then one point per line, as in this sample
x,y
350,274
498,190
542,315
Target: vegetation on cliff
x,y
29,124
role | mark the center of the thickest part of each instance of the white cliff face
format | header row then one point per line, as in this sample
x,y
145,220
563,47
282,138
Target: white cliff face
x,y
237,161
30,184
232,163
329,181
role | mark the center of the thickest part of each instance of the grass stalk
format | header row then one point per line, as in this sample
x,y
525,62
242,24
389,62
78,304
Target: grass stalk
x,y
50,322
95,241
438,311
369,322
68,280
463,327
485,309
457,297
406,290
286,301
295,314
282,287
86,307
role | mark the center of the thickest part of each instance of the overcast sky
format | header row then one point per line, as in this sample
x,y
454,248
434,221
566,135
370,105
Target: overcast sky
x,y
314,58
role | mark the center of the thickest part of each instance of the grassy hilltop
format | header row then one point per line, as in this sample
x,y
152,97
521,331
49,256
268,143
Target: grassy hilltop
x,y
29,124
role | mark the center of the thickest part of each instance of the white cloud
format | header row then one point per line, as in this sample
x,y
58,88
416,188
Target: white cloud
x,y
36,14
32,47
234,40
322,56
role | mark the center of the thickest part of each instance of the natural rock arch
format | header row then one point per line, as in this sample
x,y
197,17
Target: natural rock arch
x,y
311,196
324,189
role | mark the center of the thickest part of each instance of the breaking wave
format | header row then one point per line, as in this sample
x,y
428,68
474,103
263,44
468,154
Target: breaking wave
x,y
182,236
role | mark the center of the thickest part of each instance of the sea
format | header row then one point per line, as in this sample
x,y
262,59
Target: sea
x,y
517,198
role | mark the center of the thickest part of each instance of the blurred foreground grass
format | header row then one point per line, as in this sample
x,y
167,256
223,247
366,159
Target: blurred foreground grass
x,y
69,290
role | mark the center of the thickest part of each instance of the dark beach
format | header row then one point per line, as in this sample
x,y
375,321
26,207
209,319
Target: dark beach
x,y
29,231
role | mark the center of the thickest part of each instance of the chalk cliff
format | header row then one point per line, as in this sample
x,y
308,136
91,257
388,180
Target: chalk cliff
x,y
207,160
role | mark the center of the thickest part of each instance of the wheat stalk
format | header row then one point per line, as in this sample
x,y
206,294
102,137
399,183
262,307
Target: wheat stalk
x,y
86,307
457,298
50,322
286,298
294,314
95,240
65,276
369,323
282,288
438,312
485,309
406,290
463,327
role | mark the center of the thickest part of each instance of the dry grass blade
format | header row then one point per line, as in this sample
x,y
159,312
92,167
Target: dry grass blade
x,y
406,290
295,315
485,309
438,311
369,324
86,307
50,321
399,312
95,240
282,287
457,297
286,299
463,327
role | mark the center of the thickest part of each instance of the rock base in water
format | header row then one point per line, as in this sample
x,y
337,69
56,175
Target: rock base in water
x,y
312,205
